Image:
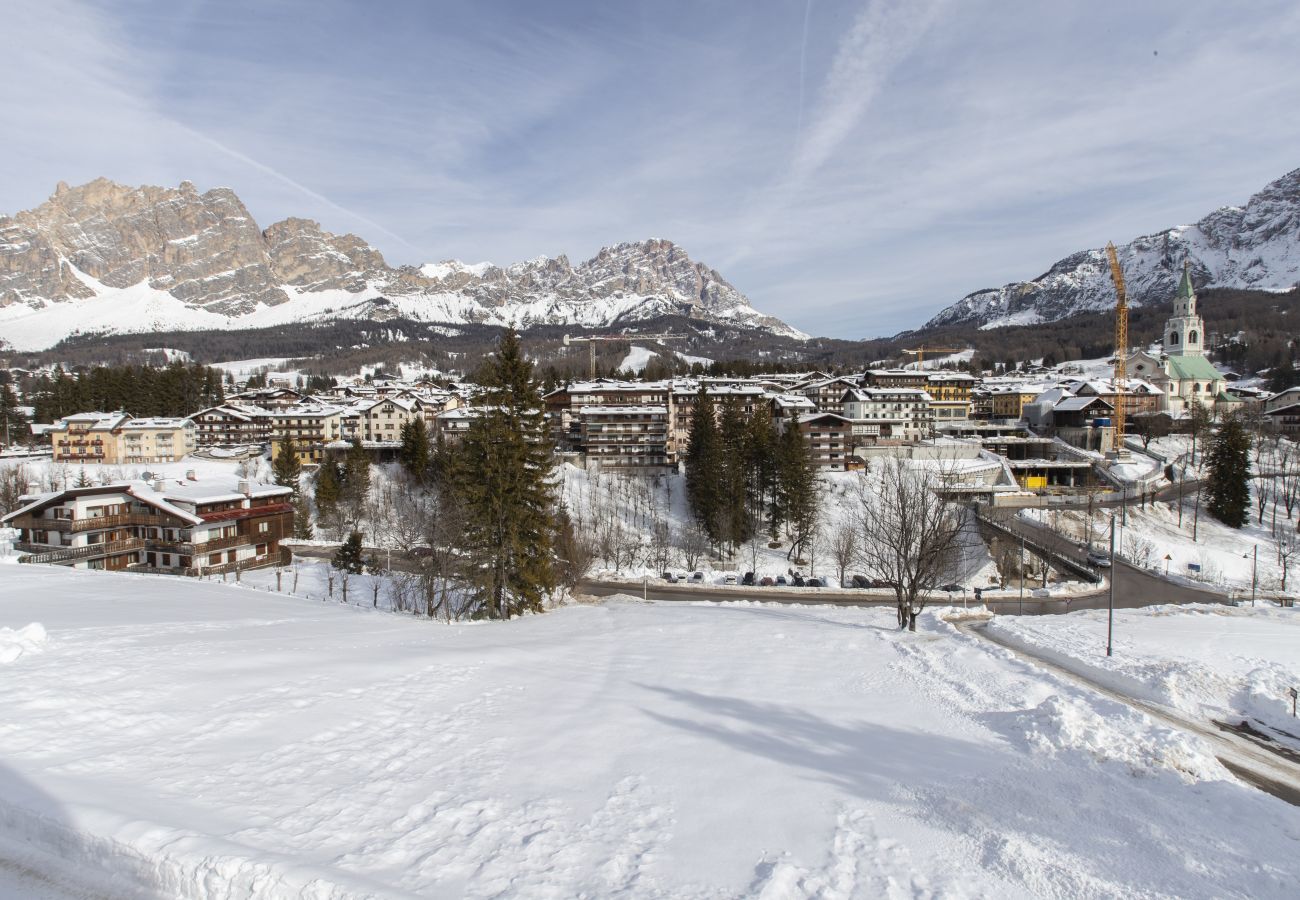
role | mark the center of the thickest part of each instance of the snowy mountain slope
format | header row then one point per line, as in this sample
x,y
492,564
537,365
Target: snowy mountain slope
x,y
103,257
1253,247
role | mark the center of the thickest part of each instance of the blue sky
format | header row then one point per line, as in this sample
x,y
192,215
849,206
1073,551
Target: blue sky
x,y
853,167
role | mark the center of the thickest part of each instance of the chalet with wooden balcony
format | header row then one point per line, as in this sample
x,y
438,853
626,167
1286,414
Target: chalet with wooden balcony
x,y
232,425
187,527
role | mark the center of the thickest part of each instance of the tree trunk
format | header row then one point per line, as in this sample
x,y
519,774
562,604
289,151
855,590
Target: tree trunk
x,y
911,621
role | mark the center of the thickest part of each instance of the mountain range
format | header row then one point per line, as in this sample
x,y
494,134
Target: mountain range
x,y
1253,247
108,258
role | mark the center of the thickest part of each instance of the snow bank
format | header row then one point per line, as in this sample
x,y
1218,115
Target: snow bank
x,y
1209,661
15,643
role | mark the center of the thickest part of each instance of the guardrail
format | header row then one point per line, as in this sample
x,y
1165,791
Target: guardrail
x,y
1060,559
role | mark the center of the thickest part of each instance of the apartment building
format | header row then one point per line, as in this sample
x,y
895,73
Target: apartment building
x,y
382,420
627,438
949,395
186,527
887,415
232,425
310,427
117,438
828,436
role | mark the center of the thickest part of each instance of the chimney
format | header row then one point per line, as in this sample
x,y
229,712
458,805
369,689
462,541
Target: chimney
x,y
158,485
245,488
190,476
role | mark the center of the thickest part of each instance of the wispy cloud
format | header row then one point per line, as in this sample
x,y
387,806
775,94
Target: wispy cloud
x,y
936,147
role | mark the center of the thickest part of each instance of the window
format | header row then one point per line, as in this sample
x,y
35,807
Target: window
x,y
263,527
1191,337
1173,337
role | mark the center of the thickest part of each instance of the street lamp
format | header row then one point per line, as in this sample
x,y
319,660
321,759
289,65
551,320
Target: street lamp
x,y
1110,607
1254,572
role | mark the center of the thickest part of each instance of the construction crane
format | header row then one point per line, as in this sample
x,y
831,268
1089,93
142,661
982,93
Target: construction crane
x,y
1121,343
592,340
920,352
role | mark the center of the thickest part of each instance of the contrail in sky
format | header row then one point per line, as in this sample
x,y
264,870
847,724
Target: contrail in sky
x,y
280,176
803,60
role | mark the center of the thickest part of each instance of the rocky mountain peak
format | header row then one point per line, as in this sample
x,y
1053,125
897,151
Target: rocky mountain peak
x,y
192,257
1256,246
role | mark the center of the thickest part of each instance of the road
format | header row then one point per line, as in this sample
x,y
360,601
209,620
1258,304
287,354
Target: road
x,y
1134,588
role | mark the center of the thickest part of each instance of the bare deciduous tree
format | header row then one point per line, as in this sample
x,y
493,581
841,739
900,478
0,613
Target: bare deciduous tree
x,y
13,484
693,542
844,549
908,534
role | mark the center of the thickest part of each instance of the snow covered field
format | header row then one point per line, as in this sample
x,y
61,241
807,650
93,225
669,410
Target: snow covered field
x,y
211,740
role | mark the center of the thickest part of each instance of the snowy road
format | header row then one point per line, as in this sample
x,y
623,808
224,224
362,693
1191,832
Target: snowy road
x,y
208,740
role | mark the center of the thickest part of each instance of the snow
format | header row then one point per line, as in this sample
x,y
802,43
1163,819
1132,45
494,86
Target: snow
x,y
213,740
15,642
1213,662
692,360
637,358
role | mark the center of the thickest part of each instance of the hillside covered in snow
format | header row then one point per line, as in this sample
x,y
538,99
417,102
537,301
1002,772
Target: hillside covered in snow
x,y
104,257
166,737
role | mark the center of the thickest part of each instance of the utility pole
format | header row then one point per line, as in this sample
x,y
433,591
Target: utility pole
x,y
1110,608
1022,575
1254,574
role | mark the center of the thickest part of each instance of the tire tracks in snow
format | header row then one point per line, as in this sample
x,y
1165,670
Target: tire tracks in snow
x,y
1257,766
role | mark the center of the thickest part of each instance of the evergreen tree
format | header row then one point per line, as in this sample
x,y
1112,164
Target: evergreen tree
x,y
733,433
1228,489
796,489
704,466
356,480
501,478
348,557
287,468
328,487
302,527
414,452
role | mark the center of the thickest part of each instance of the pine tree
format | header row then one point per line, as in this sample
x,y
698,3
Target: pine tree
x,y
500,475
355,489
287,469
796,489
733,433
302,527
328,487
1228,489
348,557
704,466
414,452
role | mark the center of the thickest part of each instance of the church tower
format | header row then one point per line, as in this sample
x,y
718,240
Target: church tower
x,y
1184,332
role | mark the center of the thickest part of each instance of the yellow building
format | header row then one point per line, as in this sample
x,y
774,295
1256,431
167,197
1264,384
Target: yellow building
x,y
117,438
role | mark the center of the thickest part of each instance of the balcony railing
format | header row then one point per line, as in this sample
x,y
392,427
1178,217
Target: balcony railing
x,y
90,523
41,554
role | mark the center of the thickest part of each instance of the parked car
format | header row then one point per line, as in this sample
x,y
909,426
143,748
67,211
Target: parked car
x,y
880,583
861,581
697,577
670,578
729,579
952,588
1098,559
781,580
748,579
798,580
767,581
814,582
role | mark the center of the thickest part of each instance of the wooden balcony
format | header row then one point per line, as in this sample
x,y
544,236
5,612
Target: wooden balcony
x,y
43,554
92,523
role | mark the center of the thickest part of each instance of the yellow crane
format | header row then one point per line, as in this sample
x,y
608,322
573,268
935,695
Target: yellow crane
x,y
1121,343
593,339
920,352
